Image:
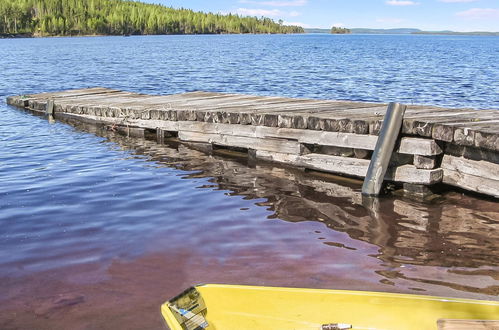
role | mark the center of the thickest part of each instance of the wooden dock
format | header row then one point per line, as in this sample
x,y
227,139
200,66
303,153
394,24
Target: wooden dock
x,y
458,147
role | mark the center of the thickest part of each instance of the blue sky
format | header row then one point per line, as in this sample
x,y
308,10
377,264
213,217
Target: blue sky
x,y
457,15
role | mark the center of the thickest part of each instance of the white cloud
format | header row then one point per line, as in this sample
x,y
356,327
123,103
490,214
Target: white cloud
x,y
303,25
266,12
338,24
401,3
479,13
390,20
457,1
295,3
258,12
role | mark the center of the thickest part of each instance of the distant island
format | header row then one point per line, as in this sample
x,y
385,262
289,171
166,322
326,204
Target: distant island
x,y
385,31
339,30
27,18
401,31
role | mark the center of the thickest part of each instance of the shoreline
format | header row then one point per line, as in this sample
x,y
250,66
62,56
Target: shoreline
x,y
32,36
365,31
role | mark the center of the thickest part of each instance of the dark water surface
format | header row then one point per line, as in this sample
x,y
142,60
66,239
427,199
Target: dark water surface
x,y
97,229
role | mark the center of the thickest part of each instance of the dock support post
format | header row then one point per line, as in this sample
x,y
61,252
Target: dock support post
x,y
160,135
49,109
380,160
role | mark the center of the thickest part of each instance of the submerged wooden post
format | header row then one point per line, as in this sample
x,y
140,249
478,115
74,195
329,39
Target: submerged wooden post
x,y
384,148
160,135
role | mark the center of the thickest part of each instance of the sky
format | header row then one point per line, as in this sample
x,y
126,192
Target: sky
x,y
430,15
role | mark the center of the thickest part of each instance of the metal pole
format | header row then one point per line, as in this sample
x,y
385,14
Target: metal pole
x,y
384,149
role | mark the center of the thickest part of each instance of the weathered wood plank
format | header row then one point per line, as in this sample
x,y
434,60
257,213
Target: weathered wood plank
x,y
464,133
74,92
444,130
487,140
347,140
268,114
353,167
471,182
418,146
411,174
329,115
425,162
421,121
276,145
442,125
472,153
335,164
278,157
486,170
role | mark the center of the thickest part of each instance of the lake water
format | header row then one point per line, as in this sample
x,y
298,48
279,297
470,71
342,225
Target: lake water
x,y
98,229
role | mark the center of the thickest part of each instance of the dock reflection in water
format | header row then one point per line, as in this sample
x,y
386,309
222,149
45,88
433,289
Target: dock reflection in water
x,y
452,242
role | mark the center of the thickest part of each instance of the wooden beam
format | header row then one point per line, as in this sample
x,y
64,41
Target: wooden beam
x,y
353,167
276,145
471,182
419,146
425,162
480,168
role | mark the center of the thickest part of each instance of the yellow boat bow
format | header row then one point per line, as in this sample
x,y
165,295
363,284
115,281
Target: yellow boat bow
x,y
233,307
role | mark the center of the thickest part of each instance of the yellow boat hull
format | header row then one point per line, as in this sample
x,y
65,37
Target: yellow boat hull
x,y
235,307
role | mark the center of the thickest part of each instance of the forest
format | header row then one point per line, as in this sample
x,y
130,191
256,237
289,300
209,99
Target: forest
x,y
117,17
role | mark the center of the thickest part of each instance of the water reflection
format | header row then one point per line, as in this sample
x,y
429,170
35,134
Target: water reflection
x,y
451,242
